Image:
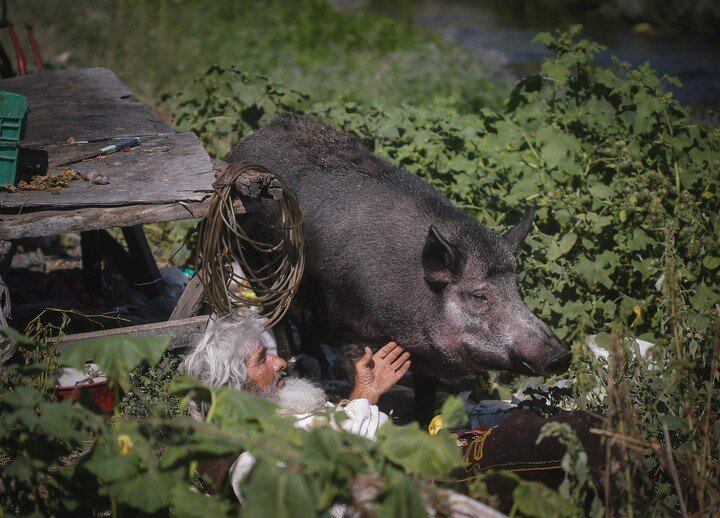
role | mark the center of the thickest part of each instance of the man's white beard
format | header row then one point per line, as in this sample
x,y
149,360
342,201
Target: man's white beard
x,y
300,396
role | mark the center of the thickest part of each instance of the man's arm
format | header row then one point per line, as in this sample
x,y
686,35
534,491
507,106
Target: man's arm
x,y
376,373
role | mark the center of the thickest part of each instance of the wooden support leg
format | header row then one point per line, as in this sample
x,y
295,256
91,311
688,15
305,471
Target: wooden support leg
x,y
91,264
142,262
7,251
114,252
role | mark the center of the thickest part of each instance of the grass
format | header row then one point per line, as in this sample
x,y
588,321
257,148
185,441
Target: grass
x,y
157,47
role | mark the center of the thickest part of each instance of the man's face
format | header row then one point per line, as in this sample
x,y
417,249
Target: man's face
x,y
265,369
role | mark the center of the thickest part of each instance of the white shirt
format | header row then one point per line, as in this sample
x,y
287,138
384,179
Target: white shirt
x,y
363,419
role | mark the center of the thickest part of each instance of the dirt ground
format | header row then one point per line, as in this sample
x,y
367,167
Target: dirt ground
x,y
45,277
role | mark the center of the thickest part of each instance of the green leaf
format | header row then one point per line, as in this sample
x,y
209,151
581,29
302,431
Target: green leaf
x,y
704,297
556,147
270,490
15,337
106,463
56,420
417,452
191,504
237,406
116,355
602,191
401,499
453,413
536,500
710,262
557,249
555,70
148,492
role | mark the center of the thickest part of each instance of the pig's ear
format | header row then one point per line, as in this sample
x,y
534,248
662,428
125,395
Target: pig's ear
x,y
440,260
515,236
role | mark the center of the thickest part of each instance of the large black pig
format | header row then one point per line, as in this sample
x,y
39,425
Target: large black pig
x,y
390,258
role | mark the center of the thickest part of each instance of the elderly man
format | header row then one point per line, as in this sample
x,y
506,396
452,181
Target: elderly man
x,y
236,352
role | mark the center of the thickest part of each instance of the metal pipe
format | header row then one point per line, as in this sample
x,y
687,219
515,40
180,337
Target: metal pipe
x,y
18,50
35,49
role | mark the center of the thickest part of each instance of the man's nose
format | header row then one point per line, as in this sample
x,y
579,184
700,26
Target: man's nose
x,y
279,364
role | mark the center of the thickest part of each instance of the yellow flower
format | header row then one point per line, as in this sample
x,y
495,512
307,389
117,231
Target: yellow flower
x,y
248,294
435,425
125,443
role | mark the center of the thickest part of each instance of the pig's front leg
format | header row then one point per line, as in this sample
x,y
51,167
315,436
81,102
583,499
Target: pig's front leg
x,y
425,388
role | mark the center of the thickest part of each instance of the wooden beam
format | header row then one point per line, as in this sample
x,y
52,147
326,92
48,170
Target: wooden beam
x,y
55,222
183,333
84,103
162,169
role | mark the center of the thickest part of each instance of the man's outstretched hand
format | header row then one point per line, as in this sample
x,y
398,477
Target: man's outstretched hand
x,y
376,373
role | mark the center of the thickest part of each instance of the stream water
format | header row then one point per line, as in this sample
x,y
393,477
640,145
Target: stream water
x,y
496,31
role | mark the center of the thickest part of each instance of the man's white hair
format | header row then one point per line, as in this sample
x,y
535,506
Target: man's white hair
x,y
219,360
219,357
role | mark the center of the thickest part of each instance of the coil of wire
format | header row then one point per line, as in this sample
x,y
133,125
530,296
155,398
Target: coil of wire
x,y
270,272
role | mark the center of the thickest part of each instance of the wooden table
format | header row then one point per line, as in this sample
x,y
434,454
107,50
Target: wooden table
x,y
74,113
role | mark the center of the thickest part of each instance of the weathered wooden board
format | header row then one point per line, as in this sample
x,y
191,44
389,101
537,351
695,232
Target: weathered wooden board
x,y
163,169
182,333
86,104
191,300
54,222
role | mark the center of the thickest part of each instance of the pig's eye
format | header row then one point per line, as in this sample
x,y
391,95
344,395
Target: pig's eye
x,y
479,296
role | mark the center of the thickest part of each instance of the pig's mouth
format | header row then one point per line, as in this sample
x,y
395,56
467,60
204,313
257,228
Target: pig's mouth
x,y
520,366
484,359
530,371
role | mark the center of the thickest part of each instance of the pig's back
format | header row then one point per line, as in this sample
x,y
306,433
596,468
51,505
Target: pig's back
x,y
322,164
365,222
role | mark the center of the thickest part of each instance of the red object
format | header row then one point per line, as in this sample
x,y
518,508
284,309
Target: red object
x,y
18,50
35,49
101,394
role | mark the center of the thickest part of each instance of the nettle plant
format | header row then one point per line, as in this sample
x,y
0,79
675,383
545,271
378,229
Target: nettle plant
x,y
61,457
607,157
626,240
611,164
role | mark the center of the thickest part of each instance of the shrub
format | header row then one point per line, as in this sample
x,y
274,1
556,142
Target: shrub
x,y
608,159
627,237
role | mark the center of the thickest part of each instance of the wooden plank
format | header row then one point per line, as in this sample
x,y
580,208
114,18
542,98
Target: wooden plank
x,y
86,104
183,333
191,300
163,169
54,222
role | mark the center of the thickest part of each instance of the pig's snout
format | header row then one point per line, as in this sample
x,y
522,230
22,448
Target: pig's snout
x,y
544,358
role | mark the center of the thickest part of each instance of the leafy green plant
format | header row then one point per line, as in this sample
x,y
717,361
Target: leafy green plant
x,y
626,239
606,157
60,457
578,479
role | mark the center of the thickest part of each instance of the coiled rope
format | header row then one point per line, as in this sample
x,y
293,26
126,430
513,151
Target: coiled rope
x,y
222,241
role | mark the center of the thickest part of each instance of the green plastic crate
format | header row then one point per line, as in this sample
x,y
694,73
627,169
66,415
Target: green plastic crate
x,y
13,112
